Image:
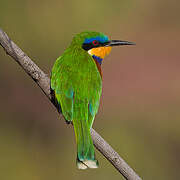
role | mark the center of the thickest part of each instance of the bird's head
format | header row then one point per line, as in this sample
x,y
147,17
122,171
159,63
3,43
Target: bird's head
x,y
97,44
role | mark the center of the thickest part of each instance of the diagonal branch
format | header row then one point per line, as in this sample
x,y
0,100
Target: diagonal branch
x,y
43,82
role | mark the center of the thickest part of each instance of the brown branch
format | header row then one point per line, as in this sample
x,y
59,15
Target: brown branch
x,y
43,82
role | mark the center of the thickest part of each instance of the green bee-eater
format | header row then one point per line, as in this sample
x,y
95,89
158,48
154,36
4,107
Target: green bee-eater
x,y
76,82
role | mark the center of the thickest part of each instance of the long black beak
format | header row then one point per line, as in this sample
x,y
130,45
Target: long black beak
x,y
119,43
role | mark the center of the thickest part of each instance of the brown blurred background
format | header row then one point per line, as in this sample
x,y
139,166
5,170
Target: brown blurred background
x,y
139,114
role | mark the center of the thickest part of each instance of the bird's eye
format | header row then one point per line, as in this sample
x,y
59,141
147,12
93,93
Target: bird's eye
x,y
95,43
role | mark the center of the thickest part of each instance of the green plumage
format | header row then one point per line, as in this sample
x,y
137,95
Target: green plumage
x,y
77,86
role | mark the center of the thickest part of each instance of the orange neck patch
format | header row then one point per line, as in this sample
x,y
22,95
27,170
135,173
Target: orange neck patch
x,y
98,55
100,51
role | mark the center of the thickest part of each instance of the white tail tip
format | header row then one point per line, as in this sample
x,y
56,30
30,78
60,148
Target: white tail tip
x,y
80,165
87,164
90,163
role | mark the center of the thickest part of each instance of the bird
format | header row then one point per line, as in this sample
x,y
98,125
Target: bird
x,y
76,86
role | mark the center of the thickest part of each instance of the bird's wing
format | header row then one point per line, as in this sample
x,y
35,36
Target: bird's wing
x,y
62,87
76,83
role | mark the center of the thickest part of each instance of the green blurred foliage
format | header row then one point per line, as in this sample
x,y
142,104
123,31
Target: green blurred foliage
x,y
139,113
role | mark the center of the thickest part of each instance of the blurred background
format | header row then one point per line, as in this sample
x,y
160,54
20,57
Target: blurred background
x,y
139,113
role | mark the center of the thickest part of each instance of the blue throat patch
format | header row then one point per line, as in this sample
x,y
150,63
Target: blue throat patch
x,y
98,59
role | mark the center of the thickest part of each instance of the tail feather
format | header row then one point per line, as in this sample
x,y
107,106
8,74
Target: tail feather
x,y
85,148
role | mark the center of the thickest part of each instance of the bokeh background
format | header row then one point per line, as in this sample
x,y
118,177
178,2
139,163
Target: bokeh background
x,y
139,113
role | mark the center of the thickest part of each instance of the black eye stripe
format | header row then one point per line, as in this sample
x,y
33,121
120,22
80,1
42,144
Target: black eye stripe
x,y
88,46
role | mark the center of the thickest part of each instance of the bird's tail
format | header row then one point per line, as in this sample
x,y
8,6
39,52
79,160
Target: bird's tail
x,y
85,148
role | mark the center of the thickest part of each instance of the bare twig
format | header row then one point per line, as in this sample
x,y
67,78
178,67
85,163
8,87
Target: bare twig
x,y
43,82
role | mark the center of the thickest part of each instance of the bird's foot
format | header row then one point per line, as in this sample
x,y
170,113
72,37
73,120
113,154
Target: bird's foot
x,y
68,122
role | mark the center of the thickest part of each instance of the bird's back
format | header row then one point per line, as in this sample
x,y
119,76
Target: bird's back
x,y
77,83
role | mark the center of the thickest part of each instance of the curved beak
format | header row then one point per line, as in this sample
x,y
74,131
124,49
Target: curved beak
x,y
119,43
